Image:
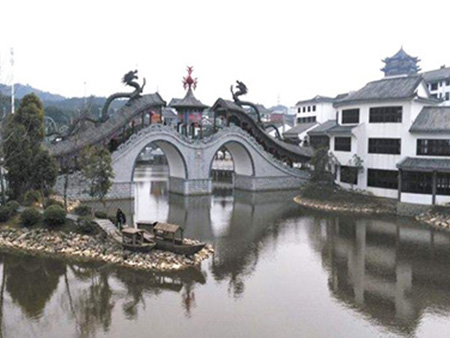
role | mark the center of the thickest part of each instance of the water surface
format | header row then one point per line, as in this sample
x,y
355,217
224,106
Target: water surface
x,y
278,271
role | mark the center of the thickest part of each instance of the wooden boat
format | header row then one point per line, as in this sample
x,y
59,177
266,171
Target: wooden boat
x,y
168,237
133,240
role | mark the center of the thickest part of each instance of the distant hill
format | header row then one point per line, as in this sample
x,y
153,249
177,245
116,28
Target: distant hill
x,y
60,108
22,90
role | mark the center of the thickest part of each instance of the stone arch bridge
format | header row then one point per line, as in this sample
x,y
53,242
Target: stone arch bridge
x,y
190,161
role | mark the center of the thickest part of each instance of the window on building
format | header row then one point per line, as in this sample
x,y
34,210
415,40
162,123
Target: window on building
x,y
309,109
447,82
349,175
447,96
306,119
342,144
434,96
384,146
304,109
382,178
417,182
434,86
430,147
385,114
350,116
314,108
443,184
299,110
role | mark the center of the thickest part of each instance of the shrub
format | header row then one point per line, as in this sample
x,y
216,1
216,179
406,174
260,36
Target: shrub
x,y
101,214
51,201
13,207
85,225
5,214
30,216
83,210
32,197
54,216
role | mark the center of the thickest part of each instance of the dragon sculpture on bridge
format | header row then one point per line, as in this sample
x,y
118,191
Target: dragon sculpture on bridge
x,y
242,90
129,80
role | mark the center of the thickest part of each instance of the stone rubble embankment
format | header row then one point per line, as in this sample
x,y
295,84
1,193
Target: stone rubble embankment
x,y
341,207
435,220
96,248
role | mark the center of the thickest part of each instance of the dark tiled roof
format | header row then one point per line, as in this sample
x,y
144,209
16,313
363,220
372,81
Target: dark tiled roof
x,y
437,74
432,120
386,89
340,96
341,130
322,129
316,99
189,101
298,129
226,104
424,164
92,134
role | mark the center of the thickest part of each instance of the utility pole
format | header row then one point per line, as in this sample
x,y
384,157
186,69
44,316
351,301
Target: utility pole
x,y
12,81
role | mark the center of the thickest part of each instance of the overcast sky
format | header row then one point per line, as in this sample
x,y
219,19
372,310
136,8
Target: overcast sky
x,y
290,50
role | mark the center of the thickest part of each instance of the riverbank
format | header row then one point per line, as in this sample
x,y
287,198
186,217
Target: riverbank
x,y
96,248
331,198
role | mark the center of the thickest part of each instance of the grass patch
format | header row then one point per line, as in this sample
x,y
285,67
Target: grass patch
x,y
330,193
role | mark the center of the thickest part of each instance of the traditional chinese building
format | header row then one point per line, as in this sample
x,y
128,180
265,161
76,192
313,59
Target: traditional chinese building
x,y
400,64
189,109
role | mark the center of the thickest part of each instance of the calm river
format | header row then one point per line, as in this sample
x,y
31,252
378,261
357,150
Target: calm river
x,y
278,271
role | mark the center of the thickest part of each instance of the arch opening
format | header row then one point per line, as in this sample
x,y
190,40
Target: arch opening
x,y
230,159
162,153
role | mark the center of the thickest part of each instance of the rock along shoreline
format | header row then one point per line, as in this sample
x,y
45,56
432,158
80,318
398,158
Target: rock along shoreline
x,y
95,248
342,208
429,218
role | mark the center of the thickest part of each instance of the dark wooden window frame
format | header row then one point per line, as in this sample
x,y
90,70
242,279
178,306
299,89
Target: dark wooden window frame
x,y
391,146
343,144
433,147
381,178
389,114
350,116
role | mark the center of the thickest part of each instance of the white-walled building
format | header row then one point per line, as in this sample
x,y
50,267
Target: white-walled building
x,y
310,114
438,82
392,137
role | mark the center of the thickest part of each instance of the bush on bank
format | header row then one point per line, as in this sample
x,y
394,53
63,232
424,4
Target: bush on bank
x,y
30,217
54,216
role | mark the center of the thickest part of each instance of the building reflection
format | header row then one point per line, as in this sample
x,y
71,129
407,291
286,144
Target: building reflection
x,y
391,272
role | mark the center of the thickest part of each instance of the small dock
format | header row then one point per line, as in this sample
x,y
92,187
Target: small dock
x,y
108,228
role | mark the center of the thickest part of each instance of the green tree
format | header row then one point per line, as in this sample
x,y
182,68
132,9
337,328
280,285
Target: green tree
x,y
29,166
323,162
45,172
98,172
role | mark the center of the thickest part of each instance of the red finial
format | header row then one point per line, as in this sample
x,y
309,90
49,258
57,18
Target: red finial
x,y
188,81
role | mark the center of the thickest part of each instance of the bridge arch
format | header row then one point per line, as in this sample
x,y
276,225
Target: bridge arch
x,y
125,158
175,159
244,164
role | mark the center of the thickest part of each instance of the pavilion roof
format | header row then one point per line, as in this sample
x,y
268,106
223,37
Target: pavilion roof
x,y
189,101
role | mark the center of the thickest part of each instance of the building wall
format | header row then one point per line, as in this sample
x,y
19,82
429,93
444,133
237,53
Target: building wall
x,y
324,111
360,135
442,91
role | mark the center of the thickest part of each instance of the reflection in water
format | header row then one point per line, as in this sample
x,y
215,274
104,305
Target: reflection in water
x,y
288,268
393,274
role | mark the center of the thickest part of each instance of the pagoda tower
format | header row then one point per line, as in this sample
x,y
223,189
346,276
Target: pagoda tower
x,y
189,109
400,64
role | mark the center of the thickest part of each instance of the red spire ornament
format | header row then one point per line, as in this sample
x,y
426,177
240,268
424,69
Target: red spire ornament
x,y
188,81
